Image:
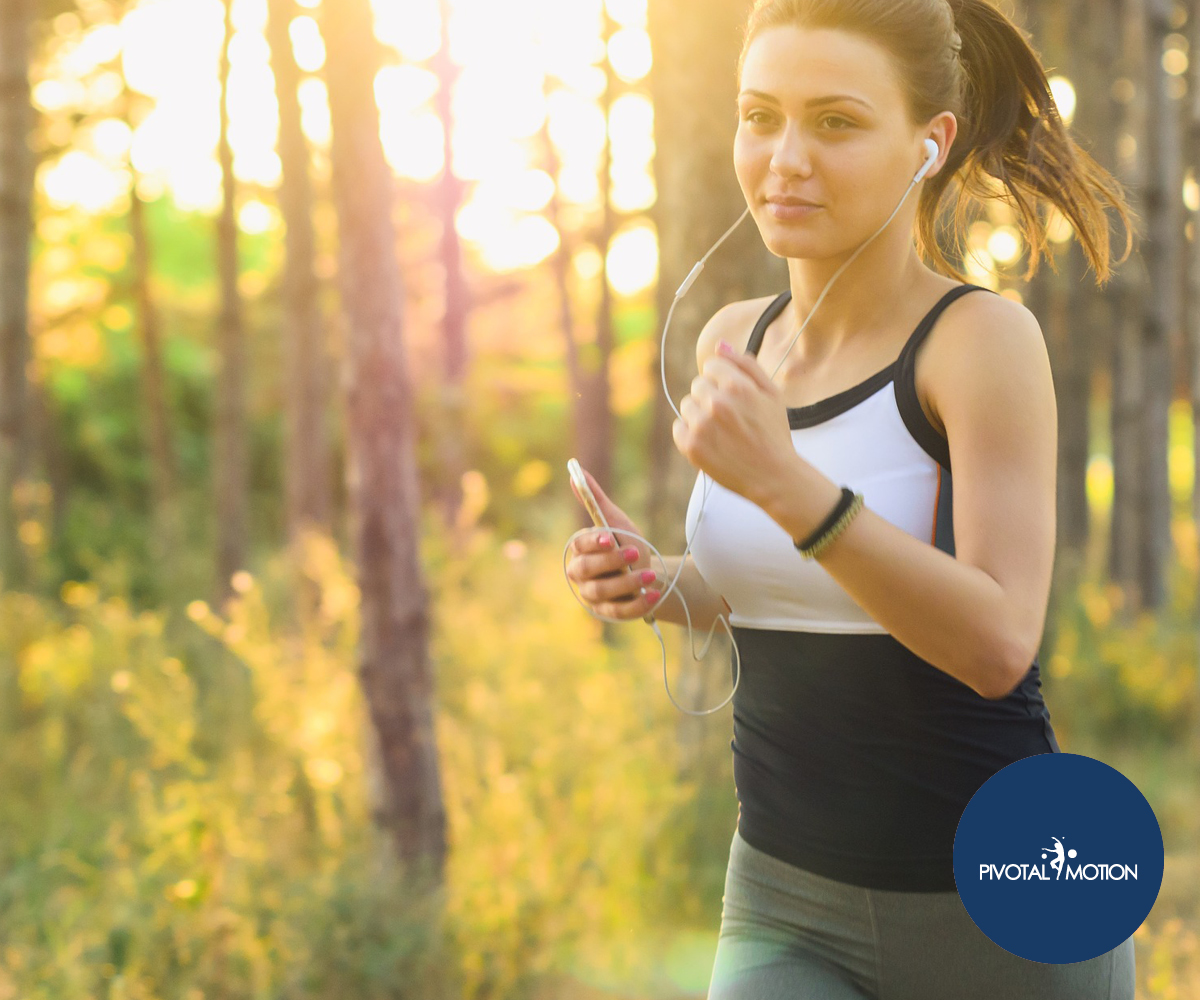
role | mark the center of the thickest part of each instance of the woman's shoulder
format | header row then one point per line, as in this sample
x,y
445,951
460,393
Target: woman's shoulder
x,y
981,339
733,323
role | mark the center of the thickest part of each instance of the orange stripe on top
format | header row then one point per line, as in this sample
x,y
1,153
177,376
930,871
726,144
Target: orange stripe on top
x,y
936,503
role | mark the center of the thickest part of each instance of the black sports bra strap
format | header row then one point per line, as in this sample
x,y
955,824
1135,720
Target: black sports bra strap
x,y
904,371
907,400
777,305
931,317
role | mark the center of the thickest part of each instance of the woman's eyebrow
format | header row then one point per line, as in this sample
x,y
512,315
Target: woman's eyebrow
x,y
814,102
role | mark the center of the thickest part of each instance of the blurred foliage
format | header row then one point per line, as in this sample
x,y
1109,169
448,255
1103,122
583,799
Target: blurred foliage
x,y
186,795
1137,675
185,807
570,830
88,356
1168,944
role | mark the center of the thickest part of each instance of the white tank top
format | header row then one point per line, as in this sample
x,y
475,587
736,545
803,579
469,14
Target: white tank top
x,y
874,438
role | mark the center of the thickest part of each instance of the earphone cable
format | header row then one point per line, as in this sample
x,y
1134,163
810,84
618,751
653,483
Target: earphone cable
x,y
683,288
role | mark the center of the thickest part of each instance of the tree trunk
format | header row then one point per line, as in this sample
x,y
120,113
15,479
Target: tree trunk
x,y
1192,327
384,492
593,418
693,84
597,428
449,195
306,359
1161,315
1075,394
1050,295
44,442
694,88
1106,119
167,529
1071,330
561,265
230,458
1127,384
16,225
1193,251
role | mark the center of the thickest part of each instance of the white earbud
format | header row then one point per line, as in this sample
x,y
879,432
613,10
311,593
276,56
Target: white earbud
x,y
931,155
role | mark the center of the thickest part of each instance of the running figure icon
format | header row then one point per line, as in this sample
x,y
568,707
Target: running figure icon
x,y
1057,863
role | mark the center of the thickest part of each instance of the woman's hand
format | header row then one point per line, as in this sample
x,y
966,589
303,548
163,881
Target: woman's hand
x,y
602,572
734,425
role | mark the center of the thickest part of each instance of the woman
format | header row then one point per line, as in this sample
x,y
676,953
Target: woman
x,y
886,678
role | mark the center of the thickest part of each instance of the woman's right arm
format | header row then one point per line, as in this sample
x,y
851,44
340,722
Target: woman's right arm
x,y
602,572
704,603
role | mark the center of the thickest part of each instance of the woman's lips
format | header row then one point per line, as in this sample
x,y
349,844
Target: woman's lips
x,y
794,211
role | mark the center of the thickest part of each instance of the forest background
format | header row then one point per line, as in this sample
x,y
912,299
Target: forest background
x,y
303,306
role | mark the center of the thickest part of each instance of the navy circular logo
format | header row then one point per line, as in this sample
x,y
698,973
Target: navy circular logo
x,y
1058,858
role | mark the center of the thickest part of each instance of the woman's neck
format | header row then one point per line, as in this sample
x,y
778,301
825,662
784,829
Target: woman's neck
x,y
861,302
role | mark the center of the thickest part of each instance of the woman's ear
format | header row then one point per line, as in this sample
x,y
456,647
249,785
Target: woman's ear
x,y
942,129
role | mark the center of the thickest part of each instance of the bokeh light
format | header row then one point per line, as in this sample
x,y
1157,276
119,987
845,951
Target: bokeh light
x,y
1063,92
633,260
1004,244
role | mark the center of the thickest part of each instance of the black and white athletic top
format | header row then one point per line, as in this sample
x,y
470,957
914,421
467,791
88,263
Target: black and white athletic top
x,y
853,757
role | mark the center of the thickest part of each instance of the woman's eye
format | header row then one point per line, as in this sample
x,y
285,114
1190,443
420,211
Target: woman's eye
x,y
764,118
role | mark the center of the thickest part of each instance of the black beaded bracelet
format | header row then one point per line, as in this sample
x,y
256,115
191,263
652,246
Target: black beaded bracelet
x,y
810,545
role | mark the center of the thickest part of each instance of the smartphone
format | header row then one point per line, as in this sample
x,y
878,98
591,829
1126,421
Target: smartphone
x,y
575,470
585,491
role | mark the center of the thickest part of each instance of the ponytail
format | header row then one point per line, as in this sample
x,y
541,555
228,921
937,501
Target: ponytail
x,y
1014,135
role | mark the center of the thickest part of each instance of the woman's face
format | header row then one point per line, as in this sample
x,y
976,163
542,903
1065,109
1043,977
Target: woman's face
x,y
822,118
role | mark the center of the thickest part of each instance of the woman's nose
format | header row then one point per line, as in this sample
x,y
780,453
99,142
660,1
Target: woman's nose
x,y
790,155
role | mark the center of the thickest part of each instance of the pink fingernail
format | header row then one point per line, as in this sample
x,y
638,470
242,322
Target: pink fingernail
x,y
605,540
652,596
647,576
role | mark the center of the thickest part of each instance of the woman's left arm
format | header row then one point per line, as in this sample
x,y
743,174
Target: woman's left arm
x,y
977,615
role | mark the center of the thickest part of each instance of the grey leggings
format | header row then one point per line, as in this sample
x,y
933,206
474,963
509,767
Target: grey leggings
x,y
790,934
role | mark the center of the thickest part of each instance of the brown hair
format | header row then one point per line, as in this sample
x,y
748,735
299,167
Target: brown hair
x,y
967,57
